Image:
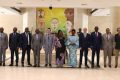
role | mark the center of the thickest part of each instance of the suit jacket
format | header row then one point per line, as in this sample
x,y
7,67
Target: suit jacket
x,y
14,40
48,42
84,42
24,40
96,41
36,42
117,41
108,42
3,41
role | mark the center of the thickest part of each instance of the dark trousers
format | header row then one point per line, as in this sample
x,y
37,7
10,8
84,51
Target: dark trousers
x,y
85,52
14,50
24,50
97,52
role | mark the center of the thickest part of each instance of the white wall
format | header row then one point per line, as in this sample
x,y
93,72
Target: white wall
x,y
10,21
102,22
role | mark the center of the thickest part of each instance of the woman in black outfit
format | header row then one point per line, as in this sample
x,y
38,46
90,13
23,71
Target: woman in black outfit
x,y
60,51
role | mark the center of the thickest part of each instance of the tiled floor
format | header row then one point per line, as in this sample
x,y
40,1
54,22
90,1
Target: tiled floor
x,y
31,73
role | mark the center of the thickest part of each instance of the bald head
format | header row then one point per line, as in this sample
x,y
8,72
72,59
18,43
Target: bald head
x,y
85,30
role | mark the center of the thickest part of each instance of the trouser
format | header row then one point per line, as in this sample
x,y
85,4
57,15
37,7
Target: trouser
x,y
36,56
14,50
24,50
97,52
48,56
2,55
117,51
107,53
85,52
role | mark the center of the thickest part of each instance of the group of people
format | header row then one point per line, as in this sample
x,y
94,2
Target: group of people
x,y
49,41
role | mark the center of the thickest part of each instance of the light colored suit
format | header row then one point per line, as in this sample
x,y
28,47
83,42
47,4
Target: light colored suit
x,y
36,45
3,46
108,45
48,45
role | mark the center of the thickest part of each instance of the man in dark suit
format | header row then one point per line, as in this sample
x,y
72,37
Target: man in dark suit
x,y
96,44
80,32
84,44
117,47
14,43
26,45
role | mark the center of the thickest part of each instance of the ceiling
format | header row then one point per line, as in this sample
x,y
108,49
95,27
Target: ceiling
x,y
61,3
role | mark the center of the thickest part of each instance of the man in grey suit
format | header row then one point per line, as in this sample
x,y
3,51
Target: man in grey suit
x,y
3,46
108,45
48,45
36,45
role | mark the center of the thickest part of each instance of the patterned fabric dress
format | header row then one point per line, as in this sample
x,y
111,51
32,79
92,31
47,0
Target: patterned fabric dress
x,y
72,45
60,52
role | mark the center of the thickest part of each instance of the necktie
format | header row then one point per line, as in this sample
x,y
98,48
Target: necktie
x,y
28,38
96,34
107,37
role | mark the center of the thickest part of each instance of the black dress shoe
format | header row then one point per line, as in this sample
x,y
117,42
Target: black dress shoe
x,y
16,65
46,65
116,66
29,64
105,66
0,64
92,66
22,65
50,65
86,66
79,66
34,65
11,65
38,66
98,66
109,66
3,64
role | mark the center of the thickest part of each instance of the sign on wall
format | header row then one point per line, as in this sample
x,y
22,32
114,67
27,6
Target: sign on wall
x,y
56,19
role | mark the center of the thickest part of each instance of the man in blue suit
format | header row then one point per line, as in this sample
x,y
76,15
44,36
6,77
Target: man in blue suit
x,y
14,44
84,44
96,44
26,45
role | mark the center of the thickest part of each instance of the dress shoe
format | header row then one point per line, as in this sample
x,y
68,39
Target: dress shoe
x,y
86,66
46,65
16,64
92,66
29,64
3,64
22,65
50,65
34,65
105,66
109,66
79,66
116,66
98,66
0,64
11,65
38,66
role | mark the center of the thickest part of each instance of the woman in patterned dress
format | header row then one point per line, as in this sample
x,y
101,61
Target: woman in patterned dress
x,y
72,45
